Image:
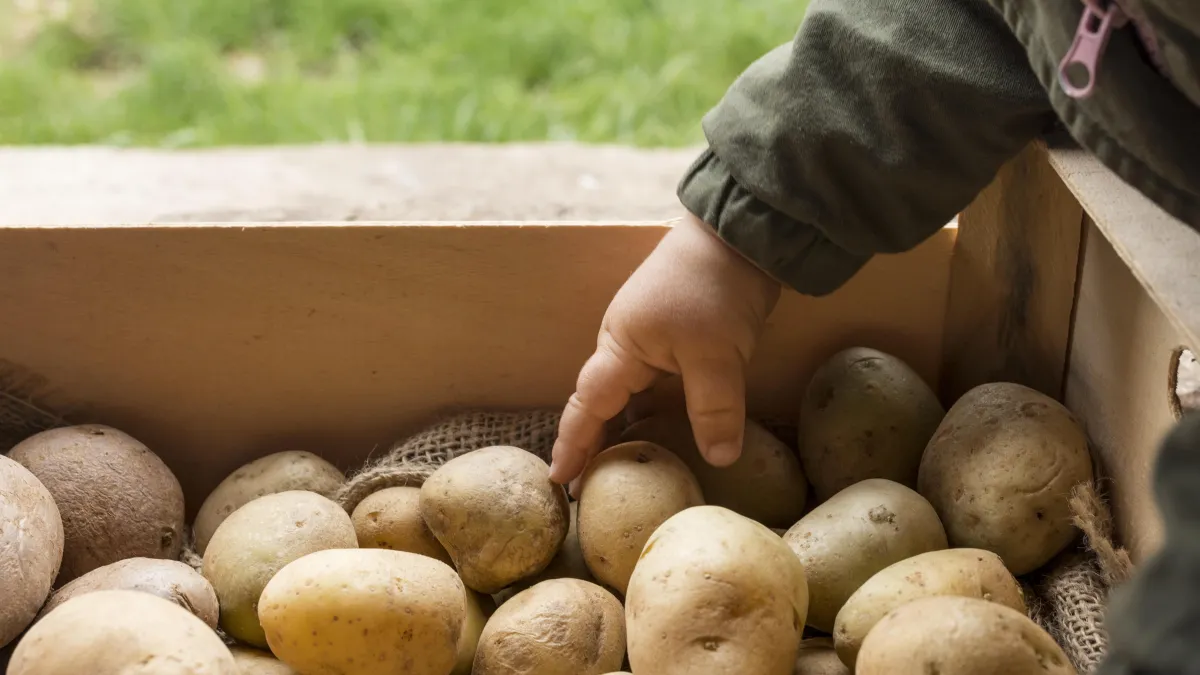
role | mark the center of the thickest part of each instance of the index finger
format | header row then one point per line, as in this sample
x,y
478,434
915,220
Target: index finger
x,y
606,383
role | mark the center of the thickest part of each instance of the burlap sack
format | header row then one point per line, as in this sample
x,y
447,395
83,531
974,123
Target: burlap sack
x,y
21,414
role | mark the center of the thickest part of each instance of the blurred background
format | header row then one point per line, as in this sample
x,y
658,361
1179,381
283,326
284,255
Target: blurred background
x,y
200,73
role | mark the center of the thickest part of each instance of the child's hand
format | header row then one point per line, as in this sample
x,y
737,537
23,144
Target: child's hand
x,y
695,307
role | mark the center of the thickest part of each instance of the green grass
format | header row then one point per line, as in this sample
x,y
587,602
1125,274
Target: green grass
x,y
164,72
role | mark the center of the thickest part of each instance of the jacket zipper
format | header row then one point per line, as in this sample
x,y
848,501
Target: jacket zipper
x,y
1091,38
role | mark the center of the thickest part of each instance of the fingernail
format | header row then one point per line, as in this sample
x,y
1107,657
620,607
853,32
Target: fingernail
x,y
723,454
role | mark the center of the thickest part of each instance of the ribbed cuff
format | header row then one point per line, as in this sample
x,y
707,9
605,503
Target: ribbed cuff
x,y
794,253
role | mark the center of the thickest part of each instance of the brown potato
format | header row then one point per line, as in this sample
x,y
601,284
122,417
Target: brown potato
x,y
257,662
963,636
116,497
391,519
765,484
365,611
278,472
498,515
31,547
625,493
865,414
168,579
966,572
715,593
118,632
1000,470
817,657
557,627
258,540
858,532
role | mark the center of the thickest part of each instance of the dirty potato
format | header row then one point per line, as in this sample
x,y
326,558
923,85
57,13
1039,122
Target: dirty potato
x,y
257,662
31,547
168,579
498,515
391,518
556,627
1000,470
865,414
858,532
817,657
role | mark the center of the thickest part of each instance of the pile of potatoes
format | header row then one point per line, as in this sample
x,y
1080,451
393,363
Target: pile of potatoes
x,y
889,543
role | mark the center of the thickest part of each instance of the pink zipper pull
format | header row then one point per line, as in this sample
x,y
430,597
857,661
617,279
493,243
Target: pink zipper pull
x,y
1091,38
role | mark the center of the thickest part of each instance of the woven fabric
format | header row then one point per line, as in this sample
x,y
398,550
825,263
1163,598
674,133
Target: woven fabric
x,y
21,414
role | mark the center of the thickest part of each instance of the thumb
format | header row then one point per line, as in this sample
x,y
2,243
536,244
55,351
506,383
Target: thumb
x,y
715,391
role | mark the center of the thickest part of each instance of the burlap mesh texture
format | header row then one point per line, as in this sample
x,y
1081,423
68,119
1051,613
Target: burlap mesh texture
x,y
21,414
1067,598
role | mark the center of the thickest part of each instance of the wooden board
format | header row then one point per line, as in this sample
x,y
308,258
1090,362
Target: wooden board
x,y
1008,315
217,344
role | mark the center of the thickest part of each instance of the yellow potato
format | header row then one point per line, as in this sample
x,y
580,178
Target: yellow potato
x,y
120,633
963,636
567,564
257,540
278,472
168,579
715,593
365,611
858,532
966,572
765,484
865,414
391,518
625,493
479,608
557,627
1000,470
498,515
117,499
817,657
257,662
31,547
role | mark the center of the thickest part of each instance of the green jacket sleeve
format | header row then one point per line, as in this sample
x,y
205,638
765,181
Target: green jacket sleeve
x,y
865,135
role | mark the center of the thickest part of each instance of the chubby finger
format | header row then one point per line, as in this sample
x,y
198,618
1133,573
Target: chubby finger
x,y
605,384
715,391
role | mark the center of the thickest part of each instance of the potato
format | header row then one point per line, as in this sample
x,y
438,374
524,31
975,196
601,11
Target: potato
x,y
117,498
168,579
858,532
557,627
120,633
279,472
715,593
765,484
391,519
1000,470
865,414
817,657
966,572
568,563
479,608
365,611
258,540
31,547
257,662
498,515
963,636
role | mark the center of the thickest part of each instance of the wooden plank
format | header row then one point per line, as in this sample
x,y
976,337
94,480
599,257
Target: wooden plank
x,y
1120,386
217,344
1161,251
1012,286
